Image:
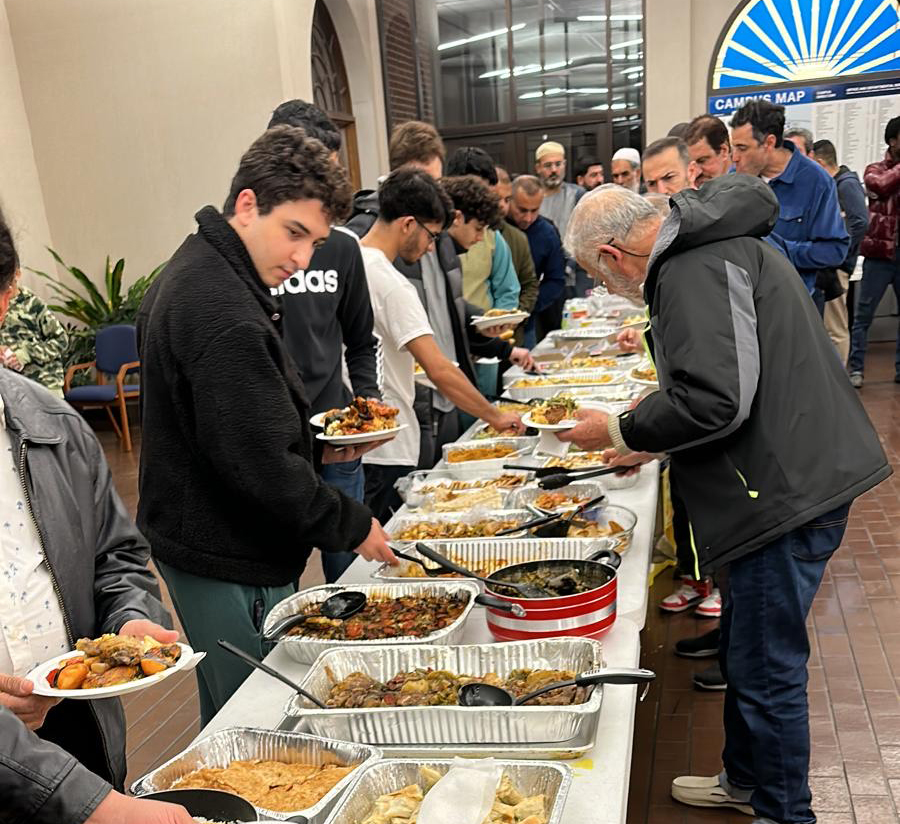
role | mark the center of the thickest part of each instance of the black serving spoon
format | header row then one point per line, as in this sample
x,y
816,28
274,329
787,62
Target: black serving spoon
x,y
338,607
487,695
525,590
253,662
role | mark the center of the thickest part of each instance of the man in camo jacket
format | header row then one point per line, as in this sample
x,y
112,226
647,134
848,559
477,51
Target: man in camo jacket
x,y
33,341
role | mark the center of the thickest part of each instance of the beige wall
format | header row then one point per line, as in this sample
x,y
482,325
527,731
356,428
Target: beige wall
x,y
20,187
680,38
139,111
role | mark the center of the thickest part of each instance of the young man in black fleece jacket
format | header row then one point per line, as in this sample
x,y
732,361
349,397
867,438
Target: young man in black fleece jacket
x,y
229,496
327,308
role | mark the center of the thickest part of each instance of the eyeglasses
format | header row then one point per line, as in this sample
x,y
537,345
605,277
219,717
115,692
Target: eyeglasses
x,y
434,236
623,251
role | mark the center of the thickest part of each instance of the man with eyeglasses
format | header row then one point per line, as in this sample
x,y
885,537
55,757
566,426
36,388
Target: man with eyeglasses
x,y
413,211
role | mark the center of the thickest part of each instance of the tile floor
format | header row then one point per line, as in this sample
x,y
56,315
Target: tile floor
x,y
854,669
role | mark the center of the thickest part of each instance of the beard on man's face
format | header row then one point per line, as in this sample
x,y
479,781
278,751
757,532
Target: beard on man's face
x,y
622,286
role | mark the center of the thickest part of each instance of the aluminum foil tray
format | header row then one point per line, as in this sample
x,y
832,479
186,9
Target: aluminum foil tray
x,y
593,378
305,649
535,778
412,494
495,552
487,465
404,519
450,724
241,743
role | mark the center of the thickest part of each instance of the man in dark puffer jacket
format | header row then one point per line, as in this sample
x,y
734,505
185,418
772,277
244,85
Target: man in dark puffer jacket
x,y
229,496
749,390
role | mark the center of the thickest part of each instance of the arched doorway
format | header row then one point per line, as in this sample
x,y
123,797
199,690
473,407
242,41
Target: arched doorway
x,y
331,87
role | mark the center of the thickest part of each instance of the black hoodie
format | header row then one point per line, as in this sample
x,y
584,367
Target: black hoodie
x,y
764,430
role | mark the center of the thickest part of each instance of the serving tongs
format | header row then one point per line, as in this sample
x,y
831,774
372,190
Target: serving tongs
x,y
554,477
555,525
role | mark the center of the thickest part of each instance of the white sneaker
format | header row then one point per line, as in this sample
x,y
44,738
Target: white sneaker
x,y
686,595
705,791
710,607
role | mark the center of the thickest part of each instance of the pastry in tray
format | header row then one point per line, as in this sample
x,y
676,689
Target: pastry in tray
x,y
505,481
553,501
272,785
510,805
562,380
364,415
574,364
430,688
480,453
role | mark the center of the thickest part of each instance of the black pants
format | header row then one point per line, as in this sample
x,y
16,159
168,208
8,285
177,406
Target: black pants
x,y
681,528
434,431
381,497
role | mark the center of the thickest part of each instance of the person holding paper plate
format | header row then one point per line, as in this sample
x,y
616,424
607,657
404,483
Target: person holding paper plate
x,y
74,565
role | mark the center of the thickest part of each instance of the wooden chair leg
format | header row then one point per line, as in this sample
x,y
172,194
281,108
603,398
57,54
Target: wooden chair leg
x,y
126,432
114,422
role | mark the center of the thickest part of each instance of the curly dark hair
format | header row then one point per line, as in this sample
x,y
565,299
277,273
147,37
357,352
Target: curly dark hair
x,y
472,160
310,118
472,196
285,164
411,192
9,257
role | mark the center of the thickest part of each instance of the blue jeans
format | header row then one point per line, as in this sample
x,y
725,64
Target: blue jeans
x,y
763,654
877,276
349,478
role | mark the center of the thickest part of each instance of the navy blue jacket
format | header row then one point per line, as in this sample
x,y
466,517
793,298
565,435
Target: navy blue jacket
x,y
549,261
809,229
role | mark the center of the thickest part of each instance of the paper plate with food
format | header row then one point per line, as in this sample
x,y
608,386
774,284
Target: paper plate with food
x,y
364,421
644,373
498,317
553,415
111,665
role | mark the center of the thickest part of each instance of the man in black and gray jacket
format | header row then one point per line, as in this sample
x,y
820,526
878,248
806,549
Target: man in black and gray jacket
x,y
750,390
328,322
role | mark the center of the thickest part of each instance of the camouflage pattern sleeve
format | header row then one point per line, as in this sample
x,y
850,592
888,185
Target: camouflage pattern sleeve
x,y
37,339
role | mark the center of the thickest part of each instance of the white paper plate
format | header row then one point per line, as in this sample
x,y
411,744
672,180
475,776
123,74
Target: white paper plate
x,y
549,427
318,420
511,318
642,381
188,660
365,437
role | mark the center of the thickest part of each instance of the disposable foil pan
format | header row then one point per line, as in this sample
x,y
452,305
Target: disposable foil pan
x,y
450,724
611,481
490,554
588,490
534,778
487,465
243,743
587,378
306,649
405,519
414,496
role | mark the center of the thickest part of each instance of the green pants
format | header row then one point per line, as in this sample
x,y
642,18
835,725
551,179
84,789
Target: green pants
x,y
210,609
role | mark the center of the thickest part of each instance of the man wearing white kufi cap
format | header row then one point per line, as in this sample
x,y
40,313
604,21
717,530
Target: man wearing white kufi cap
x,y
626,168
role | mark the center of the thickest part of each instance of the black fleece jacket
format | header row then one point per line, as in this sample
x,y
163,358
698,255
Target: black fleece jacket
x,y
228,486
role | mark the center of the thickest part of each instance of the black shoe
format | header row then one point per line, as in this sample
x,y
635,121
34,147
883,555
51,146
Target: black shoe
x,y
710,679
896,378
700,646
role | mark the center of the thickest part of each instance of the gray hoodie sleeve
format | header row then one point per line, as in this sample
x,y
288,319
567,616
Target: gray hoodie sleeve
x,y
40,783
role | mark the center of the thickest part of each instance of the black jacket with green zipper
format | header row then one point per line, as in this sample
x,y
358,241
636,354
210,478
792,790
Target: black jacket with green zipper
x,y
764,430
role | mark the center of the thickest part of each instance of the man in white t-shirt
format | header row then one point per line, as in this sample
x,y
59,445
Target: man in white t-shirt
x,y
414,209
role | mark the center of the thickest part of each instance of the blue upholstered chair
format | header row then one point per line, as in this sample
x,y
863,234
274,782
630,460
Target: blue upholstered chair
x,y
117,356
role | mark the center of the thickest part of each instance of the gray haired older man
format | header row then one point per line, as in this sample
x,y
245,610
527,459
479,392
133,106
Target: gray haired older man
x,y
745,368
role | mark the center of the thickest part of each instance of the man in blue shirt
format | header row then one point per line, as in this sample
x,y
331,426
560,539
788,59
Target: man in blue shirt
x,y
810,230
547,252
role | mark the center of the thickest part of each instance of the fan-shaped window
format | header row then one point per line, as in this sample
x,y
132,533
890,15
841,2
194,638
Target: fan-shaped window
x,y
790,41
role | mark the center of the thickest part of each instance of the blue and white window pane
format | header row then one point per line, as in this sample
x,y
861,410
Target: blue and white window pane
x,y
626,23
783,41
473,61
559,57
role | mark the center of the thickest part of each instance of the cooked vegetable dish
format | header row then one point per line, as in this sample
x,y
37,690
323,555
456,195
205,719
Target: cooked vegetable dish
x,y
362,416
112,660
408,615
428,530
588,362
578,460
480,453
554,410
425,687
561,380
646,373
553,501
510,806
273,785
